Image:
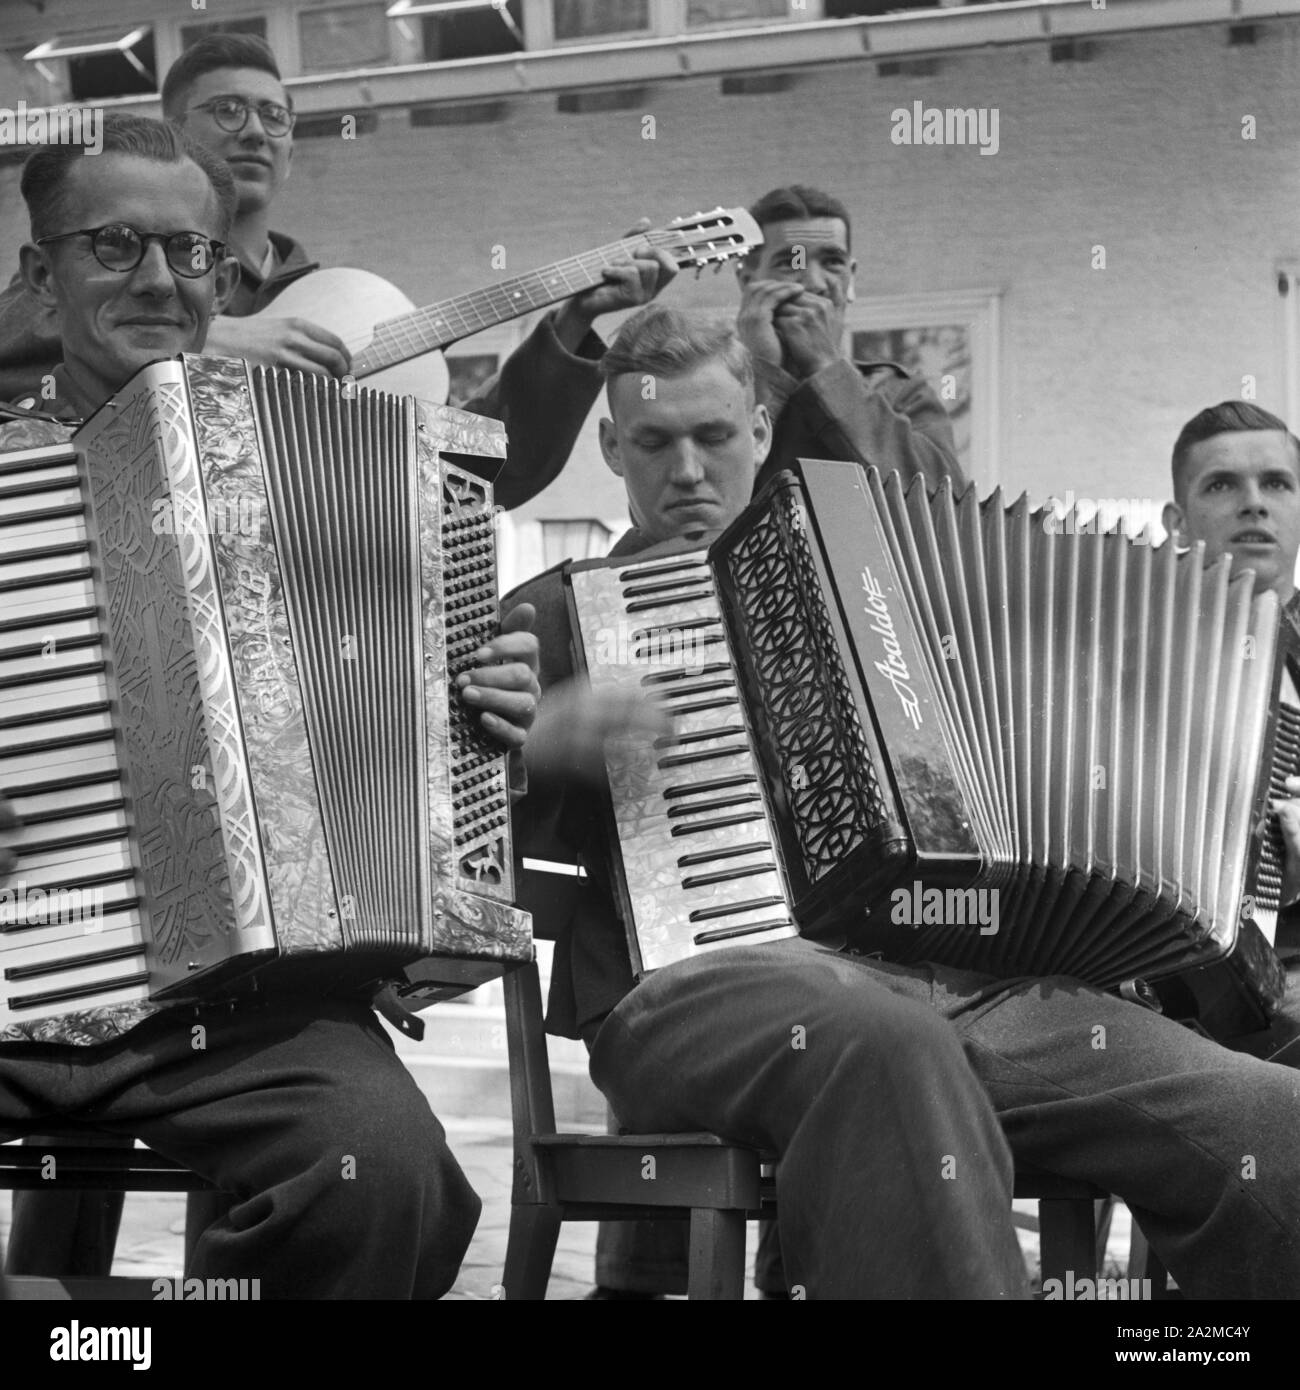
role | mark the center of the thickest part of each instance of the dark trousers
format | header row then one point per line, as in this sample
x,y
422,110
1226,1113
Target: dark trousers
x,y
651,1256
343,1183
890,1183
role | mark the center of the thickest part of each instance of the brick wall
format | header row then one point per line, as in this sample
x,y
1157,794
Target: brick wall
x,y
1138,150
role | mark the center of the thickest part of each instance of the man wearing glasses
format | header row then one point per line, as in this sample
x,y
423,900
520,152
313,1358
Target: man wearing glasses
x,y
225,92
128,255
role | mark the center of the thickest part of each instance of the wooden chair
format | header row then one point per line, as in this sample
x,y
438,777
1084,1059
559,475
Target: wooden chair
x,y
86,1161
715,1185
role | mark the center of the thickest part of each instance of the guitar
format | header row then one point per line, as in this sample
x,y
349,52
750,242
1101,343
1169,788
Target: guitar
x,y
399,344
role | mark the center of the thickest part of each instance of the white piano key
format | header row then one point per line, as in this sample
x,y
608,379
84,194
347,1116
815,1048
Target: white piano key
x,y
64,727
48,697
56,654
54,764
24,504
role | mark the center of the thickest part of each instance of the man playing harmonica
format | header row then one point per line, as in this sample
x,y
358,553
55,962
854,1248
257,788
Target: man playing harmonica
x,y
795,292
225,92
904,1067
298,1106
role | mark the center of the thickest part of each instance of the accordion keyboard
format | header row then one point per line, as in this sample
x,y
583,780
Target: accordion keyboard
x,y
70,914
699,856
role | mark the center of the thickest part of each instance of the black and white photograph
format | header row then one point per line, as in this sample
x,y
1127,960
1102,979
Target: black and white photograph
x,y
649,651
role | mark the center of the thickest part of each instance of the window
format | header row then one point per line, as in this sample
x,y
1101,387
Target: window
x,y
89,68
477,33
737,11
351,36
950,340
192,33
846,9
590,19
583,539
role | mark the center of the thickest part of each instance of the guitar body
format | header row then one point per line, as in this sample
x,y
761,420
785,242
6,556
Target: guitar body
x,y
350,303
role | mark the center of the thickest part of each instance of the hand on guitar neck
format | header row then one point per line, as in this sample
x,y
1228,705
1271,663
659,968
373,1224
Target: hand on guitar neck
x,y
627,284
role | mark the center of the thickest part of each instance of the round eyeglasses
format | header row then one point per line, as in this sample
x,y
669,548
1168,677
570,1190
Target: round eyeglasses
x,y
231,114
120,247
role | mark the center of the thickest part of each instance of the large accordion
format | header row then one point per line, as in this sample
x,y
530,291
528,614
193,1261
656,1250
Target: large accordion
x,y
232,613
944,729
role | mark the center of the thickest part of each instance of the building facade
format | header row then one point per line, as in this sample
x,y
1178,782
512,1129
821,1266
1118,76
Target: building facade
x,y
1080,219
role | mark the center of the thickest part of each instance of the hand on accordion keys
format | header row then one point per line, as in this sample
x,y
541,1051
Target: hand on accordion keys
x,y
1288,817
503,687
576,724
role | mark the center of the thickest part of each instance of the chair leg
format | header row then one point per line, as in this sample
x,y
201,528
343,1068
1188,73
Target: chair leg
x,y
1105,1217
61,1232
1067,1236
530,1250
1144,1263
717,1256
201,1210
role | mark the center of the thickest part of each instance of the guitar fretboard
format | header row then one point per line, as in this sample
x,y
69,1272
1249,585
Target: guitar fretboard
x,y
437,325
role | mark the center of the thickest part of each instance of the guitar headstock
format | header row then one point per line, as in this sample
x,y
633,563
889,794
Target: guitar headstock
x,y
708,238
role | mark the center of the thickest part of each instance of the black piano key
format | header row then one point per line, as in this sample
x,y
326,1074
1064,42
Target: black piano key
x,y
640,572
718,804
87,668
711,668
703,938
711,755
35,1003
700,707
726,875
710,914
717,784
703,736
682,587
702,687
711,856
44,620
89,808
721,824
90,837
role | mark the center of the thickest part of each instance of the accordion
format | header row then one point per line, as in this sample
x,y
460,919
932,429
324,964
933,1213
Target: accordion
x,y
946,729
232,613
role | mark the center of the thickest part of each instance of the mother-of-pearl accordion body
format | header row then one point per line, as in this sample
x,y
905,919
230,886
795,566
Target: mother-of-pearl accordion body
x,y
232,612
944,729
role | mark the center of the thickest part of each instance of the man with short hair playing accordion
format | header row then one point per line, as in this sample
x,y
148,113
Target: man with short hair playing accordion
x,y
1236,477
892,1181
297,1105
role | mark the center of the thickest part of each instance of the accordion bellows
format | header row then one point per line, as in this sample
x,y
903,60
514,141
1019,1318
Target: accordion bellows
x,y
982,735
233,617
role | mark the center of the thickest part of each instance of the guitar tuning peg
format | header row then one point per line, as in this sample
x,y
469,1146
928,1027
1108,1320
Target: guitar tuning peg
x,y
699,269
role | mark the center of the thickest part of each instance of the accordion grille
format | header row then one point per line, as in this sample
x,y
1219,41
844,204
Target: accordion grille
x,y
799,693
1286,763
480,796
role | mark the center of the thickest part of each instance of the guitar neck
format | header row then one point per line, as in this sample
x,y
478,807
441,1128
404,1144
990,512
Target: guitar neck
x,y
437,325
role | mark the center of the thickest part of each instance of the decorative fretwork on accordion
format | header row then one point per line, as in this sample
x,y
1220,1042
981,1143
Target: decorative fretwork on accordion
x,y
232,613
951,730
